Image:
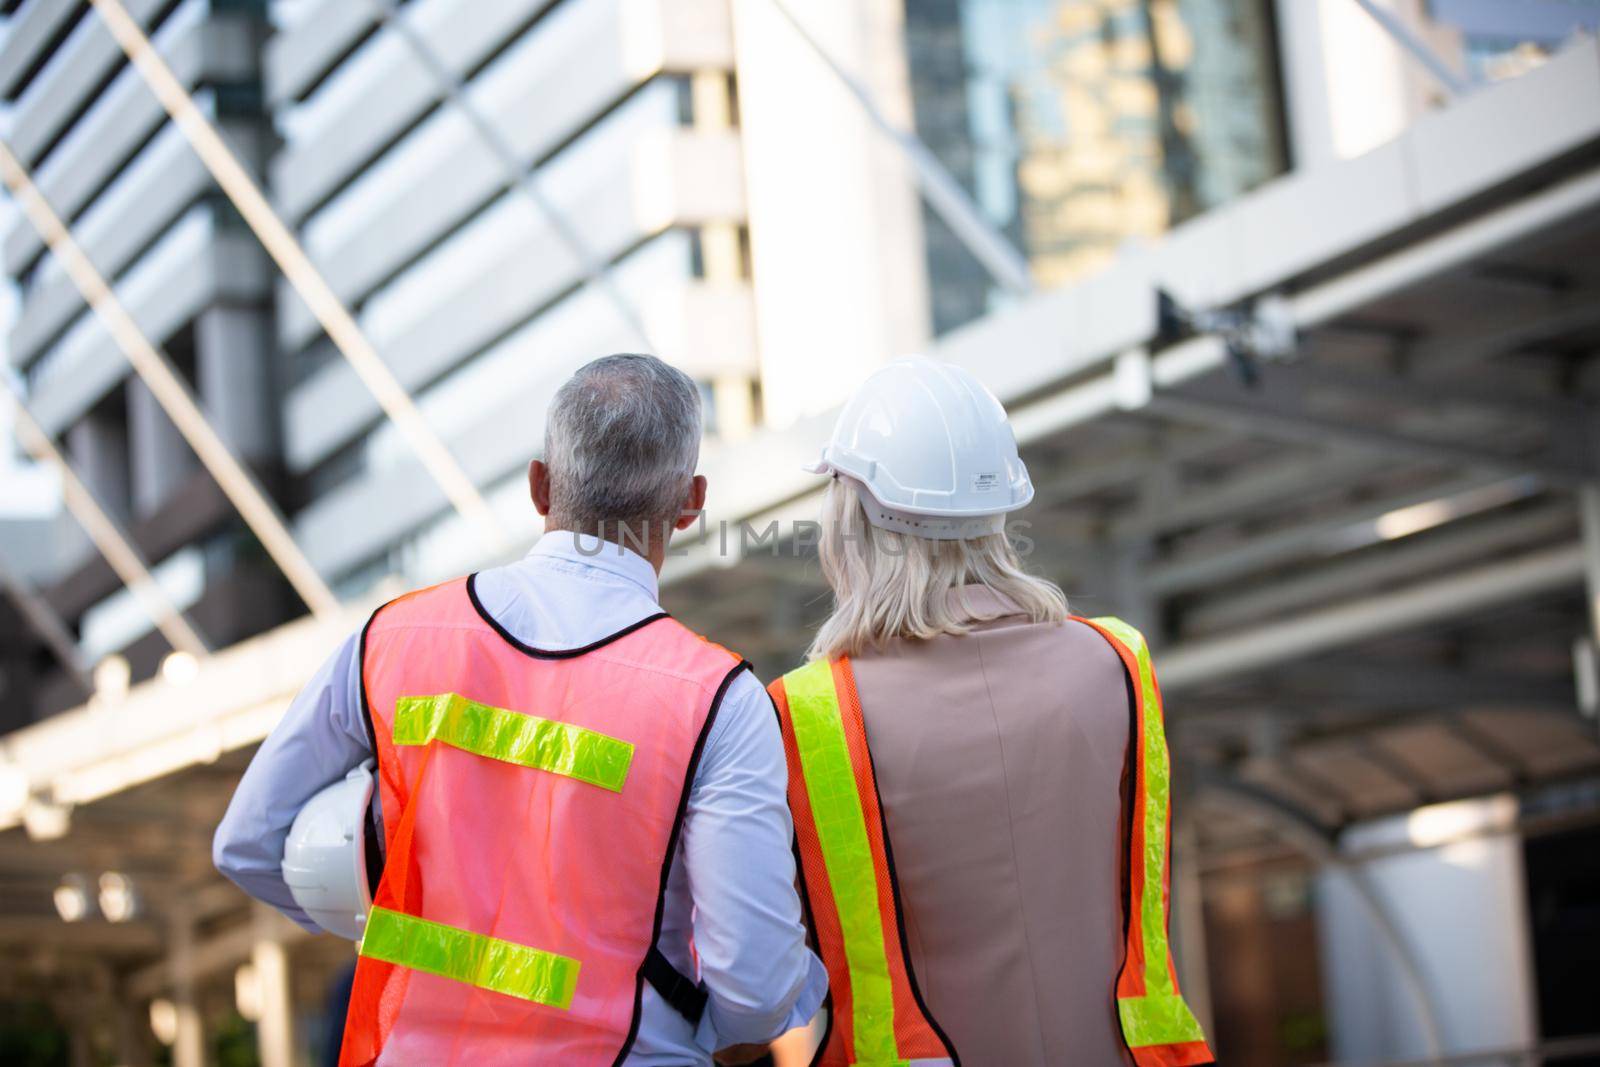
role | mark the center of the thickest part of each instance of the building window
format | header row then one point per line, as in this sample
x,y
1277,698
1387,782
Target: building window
x,y
1078,125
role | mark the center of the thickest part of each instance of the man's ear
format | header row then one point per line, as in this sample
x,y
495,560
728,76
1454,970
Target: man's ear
x,y
693,504
539,486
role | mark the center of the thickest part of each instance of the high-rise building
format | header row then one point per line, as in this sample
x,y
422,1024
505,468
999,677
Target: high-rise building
x,y
617,223
146,212
1081,125
615,220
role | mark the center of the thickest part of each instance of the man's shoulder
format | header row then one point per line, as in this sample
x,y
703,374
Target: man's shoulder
x,y
423,603
745,728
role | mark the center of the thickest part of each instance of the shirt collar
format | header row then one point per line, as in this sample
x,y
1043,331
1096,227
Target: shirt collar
x,y
587,550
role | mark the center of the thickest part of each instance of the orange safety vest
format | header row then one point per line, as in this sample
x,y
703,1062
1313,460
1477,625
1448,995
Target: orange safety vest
x,y
877,1014
532,802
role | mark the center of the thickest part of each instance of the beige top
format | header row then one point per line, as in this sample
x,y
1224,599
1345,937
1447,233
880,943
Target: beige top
x,y
999,758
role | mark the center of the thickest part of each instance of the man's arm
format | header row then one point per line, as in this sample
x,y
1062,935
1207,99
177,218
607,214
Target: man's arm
x,y
737,843
319,740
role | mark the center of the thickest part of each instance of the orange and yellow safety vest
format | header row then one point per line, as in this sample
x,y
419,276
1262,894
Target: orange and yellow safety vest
x,y
878,1014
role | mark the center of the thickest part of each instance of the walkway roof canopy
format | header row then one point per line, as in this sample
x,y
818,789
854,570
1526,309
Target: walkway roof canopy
x,y
1364,575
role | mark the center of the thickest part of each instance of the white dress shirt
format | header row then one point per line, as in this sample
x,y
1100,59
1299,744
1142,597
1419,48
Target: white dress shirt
x,y
732,883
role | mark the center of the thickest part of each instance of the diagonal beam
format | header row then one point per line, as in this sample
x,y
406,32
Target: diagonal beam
x,y
944,194
48,625
1407,38
297,267
519,176
108,537
158,373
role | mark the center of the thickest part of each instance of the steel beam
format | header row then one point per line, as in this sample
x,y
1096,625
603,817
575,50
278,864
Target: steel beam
x,y
1262,486
1381,565
595,271
1435,358
119,551
1282,408
1456,247
335,319
155,369
48,625
1326,535
1409,41
1427,603
1415,686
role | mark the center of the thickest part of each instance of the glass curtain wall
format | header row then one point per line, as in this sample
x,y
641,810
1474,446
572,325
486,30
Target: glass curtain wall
x,y
1079,125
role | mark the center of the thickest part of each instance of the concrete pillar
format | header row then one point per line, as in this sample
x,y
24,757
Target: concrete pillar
x,y
1589,517
836,252
98,445
234,370
132,1033
1586,648
80,1050
189,1046
161,458
735,404
270,959
1451,876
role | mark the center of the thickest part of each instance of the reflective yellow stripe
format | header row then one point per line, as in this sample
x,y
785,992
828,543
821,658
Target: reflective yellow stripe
x,y
1157,789
1160,1017
847,854
512,737
486,962
1158,1020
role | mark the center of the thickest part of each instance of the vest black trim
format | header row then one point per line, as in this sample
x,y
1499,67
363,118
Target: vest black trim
x,y
372,844
672,852
550,653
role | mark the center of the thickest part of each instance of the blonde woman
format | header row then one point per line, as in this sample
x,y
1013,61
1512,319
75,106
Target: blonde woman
x,y
978,778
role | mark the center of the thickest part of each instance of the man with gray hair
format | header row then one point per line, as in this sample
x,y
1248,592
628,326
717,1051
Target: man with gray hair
x,y
579,848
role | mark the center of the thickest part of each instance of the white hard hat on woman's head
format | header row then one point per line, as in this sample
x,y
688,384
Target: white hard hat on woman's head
x,y
933,451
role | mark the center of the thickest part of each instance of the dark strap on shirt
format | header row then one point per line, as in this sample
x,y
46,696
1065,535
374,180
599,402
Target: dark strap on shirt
x,y
686,997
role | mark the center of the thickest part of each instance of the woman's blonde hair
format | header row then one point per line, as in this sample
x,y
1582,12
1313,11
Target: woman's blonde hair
x,y
888,584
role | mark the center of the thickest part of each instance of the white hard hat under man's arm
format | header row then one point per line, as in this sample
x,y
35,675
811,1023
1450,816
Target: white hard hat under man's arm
x,y
320,739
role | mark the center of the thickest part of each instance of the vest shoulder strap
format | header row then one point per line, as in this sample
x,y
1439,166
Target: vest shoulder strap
x,y
1157,1025
878,1014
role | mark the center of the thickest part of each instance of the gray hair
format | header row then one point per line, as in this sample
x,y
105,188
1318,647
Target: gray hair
x,y
622,442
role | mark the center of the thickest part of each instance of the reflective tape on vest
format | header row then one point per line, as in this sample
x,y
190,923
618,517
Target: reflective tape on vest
x,y
476,959
1159,1017
1157,1020
841,827
513,737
